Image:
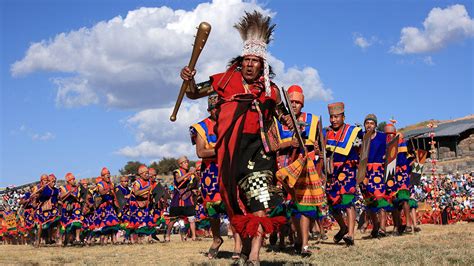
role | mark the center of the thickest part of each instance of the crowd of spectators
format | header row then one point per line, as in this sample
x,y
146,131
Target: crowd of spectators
x,y
446,190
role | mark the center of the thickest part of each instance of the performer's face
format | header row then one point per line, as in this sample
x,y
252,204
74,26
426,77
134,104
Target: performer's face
x,y
144,175
124,182
296,105
72,181
106,177
370,125
184,165
336,121
251,68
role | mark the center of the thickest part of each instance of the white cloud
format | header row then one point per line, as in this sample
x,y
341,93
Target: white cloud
x,y
363,42
43,137
134,62
158,137
74,92
35,136
440,28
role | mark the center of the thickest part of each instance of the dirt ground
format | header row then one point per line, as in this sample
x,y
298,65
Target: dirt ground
x,y
434,245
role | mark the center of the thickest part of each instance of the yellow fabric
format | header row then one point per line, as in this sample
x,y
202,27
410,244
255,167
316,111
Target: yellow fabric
x,y
203,135
305,180
347,148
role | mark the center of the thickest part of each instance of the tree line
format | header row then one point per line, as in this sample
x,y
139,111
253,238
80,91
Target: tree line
x,y
164,167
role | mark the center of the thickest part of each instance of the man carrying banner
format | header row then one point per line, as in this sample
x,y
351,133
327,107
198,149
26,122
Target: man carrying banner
x,y
342,145
397,184
248,102
308,197
373,186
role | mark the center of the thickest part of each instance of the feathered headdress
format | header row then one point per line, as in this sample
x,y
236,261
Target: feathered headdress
x,y
256,32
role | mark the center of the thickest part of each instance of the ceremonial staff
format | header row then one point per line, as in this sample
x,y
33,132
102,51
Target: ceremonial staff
x,y
201,37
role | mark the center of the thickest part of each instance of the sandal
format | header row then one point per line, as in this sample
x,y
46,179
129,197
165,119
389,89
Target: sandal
x,y
297,248
242,260
338,237
306,252
235,256
212,253
349,240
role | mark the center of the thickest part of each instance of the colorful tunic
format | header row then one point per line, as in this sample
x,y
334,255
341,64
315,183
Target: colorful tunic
x,y
71,211
88,216
124,214
29,212
11,221
108,222
301,204
373,187
398,187
209,170
403,174
182,202
141,213
47,212
342,146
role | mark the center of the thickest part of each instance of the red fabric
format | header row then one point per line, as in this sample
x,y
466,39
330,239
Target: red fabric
x,y
247,225
235,86
235,117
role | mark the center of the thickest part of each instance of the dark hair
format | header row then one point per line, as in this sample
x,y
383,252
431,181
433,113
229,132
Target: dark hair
x,y
239,59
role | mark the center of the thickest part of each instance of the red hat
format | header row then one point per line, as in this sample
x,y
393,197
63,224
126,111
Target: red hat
x,y
104,171
390,129
70,176
295,93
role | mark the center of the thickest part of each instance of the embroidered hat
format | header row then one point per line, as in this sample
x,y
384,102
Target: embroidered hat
x,y
336,108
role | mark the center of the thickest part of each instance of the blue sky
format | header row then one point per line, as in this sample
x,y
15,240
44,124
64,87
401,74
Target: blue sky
x,y
87,84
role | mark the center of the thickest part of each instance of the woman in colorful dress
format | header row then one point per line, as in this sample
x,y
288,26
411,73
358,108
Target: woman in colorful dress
x,y
71,214
109,224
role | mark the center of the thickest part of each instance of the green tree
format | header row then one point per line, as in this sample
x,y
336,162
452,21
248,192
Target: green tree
x,y
131,168
381,125
165,165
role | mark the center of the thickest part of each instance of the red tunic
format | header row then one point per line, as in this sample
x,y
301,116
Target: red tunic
x,y
228,88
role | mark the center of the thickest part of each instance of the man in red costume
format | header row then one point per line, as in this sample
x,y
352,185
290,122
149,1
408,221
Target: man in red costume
x,y
246,136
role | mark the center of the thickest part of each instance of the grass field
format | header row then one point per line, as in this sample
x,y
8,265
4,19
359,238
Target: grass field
x,y
434,245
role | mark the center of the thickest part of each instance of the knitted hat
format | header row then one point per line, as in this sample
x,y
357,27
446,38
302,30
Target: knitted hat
x,y
295,93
